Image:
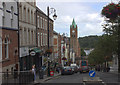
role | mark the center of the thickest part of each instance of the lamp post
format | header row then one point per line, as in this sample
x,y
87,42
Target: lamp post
x,y
54,17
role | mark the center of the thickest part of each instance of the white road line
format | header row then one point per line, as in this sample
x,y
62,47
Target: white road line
x,y
104,83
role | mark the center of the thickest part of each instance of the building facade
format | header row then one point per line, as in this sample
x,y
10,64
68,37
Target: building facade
x,y
27,33
42,35
9,36
55,47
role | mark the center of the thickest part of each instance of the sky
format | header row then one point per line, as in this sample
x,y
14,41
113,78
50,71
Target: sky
x,y
86,13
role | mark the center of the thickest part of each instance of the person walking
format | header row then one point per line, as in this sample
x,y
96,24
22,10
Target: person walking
x,y
33,71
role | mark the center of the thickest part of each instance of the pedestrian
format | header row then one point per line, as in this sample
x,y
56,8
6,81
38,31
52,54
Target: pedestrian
x,y
33,71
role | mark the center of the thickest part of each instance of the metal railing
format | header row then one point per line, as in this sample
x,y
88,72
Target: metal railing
x,y
17,77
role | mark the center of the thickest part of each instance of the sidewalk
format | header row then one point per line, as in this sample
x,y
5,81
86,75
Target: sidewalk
x,y
45,78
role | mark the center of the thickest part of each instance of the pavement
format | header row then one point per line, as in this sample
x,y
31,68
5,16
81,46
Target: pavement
x,y
45,78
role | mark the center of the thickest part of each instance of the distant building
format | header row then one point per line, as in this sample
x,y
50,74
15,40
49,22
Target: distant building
x,y
9,36
74,44
88,51
55,47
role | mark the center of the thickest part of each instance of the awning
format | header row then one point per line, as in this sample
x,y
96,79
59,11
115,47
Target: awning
x,y
36,50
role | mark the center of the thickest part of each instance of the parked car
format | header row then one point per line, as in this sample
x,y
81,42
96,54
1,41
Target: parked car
x,y
66,70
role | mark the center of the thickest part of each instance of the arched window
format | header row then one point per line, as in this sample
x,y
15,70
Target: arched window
x,y
0,48
6,47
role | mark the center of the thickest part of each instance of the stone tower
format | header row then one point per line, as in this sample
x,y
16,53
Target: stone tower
x,y
74,45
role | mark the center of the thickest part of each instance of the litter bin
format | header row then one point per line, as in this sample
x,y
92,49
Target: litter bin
x,y
41,73
51,73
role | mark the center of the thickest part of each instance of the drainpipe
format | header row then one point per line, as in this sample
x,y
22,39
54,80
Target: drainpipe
x,y
18,34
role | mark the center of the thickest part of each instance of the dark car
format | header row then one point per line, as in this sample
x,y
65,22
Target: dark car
x,y
84,69
75,69
66,70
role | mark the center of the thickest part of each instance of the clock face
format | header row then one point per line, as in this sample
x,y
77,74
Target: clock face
x,y
73,31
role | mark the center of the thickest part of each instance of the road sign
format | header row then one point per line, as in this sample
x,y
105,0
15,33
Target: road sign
x,y
92,73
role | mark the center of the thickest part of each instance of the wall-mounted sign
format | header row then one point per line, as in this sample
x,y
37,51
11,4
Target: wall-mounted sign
x,y
24,51
32,53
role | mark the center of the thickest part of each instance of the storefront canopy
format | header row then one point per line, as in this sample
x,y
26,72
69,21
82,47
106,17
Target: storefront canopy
x,y
37,50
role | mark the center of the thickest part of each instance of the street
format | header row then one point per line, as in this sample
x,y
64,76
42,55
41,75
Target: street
x,y
77,78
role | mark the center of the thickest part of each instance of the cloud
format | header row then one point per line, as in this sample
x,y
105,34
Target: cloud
x,y
87,19
76,0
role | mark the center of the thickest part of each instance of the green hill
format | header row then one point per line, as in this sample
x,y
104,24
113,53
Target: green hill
x,y
88,41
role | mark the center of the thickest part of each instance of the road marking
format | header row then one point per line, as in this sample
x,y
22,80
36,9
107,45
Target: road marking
x,y
104,83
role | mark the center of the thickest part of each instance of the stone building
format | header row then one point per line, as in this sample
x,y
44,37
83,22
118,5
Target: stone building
x,y
74,44
27,33
9,36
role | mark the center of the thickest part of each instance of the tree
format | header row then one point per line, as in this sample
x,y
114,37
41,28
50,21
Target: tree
x,y
111,12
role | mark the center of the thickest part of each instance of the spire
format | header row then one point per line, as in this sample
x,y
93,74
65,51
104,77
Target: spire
x,y
73,24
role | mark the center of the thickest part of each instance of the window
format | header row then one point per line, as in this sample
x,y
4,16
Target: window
x,y
38,40
31,17
3,14
34,19
12,12
0,48
11,15
29,36
46,39
25,33
38,22
45,24
41,39
4,8
6,47
25,14
41,22
28,16
20,36
20,12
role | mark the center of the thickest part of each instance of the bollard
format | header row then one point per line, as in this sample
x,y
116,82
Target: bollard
x,y
40,74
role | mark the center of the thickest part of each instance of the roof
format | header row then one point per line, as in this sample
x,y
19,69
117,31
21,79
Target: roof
x,y
73,24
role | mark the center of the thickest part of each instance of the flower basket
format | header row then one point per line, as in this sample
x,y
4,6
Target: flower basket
x,y
49,51
111,11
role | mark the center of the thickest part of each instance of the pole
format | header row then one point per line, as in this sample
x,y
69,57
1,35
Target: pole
x,y
48,41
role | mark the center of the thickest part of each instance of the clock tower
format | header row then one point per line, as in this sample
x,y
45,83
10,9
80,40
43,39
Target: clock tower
x,y
74,44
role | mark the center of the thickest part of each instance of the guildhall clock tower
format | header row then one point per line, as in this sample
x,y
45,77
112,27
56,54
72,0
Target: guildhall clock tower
x,y
74,44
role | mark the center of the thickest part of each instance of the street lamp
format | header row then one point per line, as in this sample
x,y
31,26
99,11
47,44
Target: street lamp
x,y
54,17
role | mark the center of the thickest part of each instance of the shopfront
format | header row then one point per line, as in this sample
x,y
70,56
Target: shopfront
x,y
35,54
24,58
